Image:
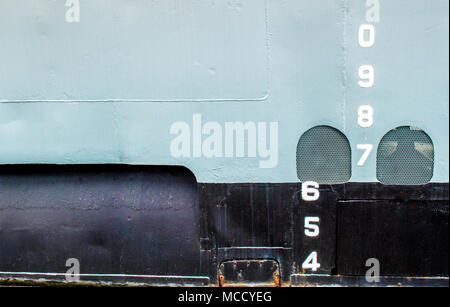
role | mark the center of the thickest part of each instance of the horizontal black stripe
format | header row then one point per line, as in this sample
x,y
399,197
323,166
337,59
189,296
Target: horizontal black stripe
x,y
158,222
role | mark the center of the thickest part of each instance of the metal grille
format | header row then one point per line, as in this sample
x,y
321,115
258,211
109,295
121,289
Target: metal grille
x,y
323,156
405,156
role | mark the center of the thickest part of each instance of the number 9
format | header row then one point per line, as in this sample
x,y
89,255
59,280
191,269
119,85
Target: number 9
x,y
367,74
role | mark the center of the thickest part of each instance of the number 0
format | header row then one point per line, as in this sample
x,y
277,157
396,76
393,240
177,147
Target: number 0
x,y
370,30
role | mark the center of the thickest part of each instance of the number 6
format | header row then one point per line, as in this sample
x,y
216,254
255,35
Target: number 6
x,y
310,191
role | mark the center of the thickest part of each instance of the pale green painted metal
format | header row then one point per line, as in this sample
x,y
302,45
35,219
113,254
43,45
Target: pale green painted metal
x,y
108,89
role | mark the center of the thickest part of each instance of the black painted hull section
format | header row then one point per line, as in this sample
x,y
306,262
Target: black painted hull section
x,y
157,225
404,227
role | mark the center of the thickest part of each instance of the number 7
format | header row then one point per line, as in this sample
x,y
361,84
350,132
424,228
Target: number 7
x,y
367,150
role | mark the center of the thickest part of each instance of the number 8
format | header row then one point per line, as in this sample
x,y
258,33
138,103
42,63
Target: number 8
x,y
365,116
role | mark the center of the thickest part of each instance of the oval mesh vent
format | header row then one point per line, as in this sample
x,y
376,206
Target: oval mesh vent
x,y
323,156
405,156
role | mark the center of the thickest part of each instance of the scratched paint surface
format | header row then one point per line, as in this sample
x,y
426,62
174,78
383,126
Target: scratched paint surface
x,y
120,81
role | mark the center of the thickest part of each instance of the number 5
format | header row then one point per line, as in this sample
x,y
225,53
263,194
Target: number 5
x,y
311,230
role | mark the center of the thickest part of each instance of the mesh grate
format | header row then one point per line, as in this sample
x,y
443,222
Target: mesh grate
x,y
405,156
323,156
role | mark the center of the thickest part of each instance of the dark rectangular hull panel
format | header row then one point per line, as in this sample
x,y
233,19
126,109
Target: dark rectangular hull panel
x,y
406,237
113,219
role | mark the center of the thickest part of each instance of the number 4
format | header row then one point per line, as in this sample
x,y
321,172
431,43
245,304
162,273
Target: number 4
x,y
311,262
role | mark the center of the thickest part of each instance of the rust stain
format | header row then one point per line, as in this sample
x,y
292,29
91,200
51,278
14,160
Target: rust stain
x,y
221,280
276,278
